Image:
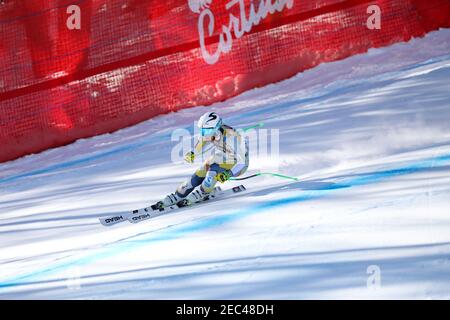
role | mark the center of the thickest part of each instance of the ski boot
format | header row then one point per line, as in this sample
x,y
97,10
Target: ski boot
x,y
170,200
196,195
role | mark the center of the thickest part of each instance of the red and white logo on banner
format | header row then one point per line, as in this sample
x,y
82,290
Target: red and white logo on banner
x,y
236,26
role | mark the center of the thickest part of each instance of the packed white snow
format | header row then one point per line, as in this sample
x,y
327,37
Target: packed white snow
x,y
369,139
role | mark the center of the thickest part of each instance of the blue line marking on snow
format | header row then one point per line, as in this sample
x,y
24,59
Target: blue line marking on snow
x,y
64,165
211,222
85,160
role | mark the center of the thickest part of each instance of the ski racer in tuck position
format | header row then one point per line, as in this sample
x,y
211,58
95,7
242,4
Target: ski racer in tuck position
x,y
229,158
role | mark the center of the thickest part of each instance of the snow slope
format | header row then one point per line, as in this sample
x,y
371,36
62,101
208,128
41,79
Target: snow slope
x,y
369,139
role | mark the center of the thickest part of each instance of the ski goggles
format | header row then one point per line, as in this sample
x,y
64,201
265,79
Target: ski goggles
x,y
207,132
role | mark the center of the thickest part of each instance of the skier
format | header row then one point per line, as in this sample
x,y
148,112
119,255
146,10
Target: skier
x,y
228,159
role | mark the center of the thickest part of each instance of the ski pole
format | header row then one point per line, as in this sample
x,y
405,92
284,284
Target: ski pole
x,y
258,125
266,173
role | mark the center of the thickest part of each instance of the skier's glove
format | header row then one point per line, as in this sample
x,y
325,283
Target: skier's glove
x,y
189,157
224,176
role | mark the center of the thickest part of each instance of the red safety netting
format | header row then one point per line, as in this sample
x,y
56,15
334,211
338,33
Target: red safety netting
x,y
134,59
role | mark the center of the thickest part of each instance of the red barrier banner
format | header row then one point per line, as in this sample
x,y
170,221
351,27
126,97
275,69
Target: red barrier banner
x,y
79,68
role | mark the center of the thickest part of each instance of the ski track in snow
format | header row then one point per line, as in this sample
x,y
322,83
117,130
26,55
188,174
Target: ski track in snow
x,y
369,137
215,221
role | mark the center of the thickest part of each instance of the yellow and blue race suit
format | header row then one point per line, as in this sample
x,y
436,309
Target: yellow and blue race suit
x,y
230,154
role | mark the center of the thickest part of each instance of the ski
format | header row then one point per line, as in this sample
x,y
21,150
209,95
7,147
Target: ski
x,y
143,213
112,220
153,211
146,213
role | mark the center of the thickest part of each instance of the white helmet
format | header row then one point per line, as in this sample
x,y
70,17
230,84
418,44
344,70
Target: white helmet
x,y
209,124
